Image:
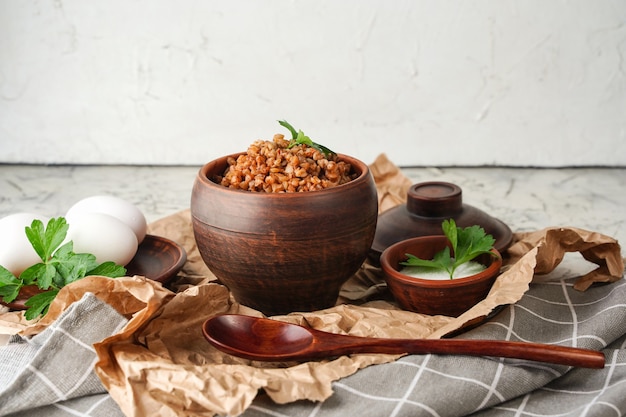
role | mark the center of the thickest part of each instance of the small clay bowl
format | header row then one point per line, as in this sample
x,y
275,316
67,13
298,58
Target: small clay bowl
x,y
284,252
450,297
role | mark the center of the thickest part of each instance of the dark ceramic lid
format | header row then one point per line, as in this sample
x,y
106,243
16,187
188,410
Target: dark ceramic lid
x,y
427,205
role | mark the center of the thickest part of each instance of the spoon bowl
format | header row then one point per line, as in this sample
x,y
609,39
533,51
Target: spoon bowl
x,y
265,339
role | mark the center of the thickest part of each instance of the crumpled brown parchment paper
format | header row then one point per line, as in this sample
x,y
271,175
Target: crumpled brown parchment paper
x,y
160,364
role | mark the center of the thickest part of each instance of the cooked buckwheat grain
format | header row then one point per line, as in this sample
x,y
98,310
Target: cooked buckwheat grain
x,y
269,166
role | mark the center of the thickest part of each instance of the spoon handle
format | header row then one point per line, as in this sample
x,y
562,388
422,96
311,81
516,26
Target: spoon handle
x,y
562,355
270,340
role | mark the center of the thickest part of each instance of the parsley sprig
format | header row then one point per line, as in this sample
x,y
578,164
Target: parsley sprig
x,y
467,243
59,267
299,138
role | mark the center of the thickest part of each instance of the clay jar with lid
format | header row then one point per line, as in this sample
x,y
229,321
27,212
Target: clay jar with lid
x,y
427,205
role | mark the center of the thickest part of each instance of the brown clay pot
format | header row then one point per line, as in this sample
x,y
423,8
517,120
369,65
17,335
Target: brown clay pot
x,y
427,205
451,297
284,252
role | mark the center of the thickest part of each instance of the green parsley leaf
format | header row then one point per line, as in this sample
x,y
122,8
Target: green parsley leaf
x,y
108,269
65,251
299,138
36,235
9,285
472,242
46,241
41,274
74,266
38,304
59,267
285,124
413,260
450,230
467,243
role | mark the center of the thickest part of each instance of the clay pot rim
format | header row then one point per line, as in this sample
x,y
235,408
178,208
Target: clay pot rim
x,y
392,273
354,162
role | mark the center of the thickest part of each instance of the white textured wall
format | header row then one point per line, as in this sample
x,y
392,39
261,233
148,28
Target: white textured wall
x,y
456,82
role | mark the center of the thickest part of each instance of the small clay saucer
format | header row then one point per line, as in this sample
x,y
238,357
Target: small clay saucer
x,y
427,205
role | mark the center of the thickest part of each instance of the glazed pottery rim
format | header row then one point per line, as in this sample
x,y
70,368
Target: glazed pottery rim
x,y
354,162
392,273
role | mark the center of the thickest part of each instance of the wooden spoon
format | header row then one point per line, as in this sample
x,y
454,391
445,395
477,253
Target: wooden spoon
x,y
264,339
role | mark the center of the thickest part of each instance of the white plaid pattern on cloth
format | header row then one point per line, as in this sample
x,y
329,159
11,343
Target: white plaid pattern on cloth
x,y
51,374
438,386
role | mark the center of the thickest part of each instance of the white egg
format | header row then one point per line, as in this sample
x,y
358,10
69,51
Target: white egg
x,y
113,206
16,251
104,236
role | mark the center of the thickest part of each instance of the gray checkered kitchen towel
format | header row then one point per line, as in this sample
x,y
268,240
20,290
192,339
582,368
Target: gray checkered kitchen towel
x,y
51,374
438,386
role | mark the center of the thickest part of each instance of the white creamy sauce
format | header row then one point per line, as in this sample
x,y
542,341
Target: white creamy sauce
x,y
465,270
